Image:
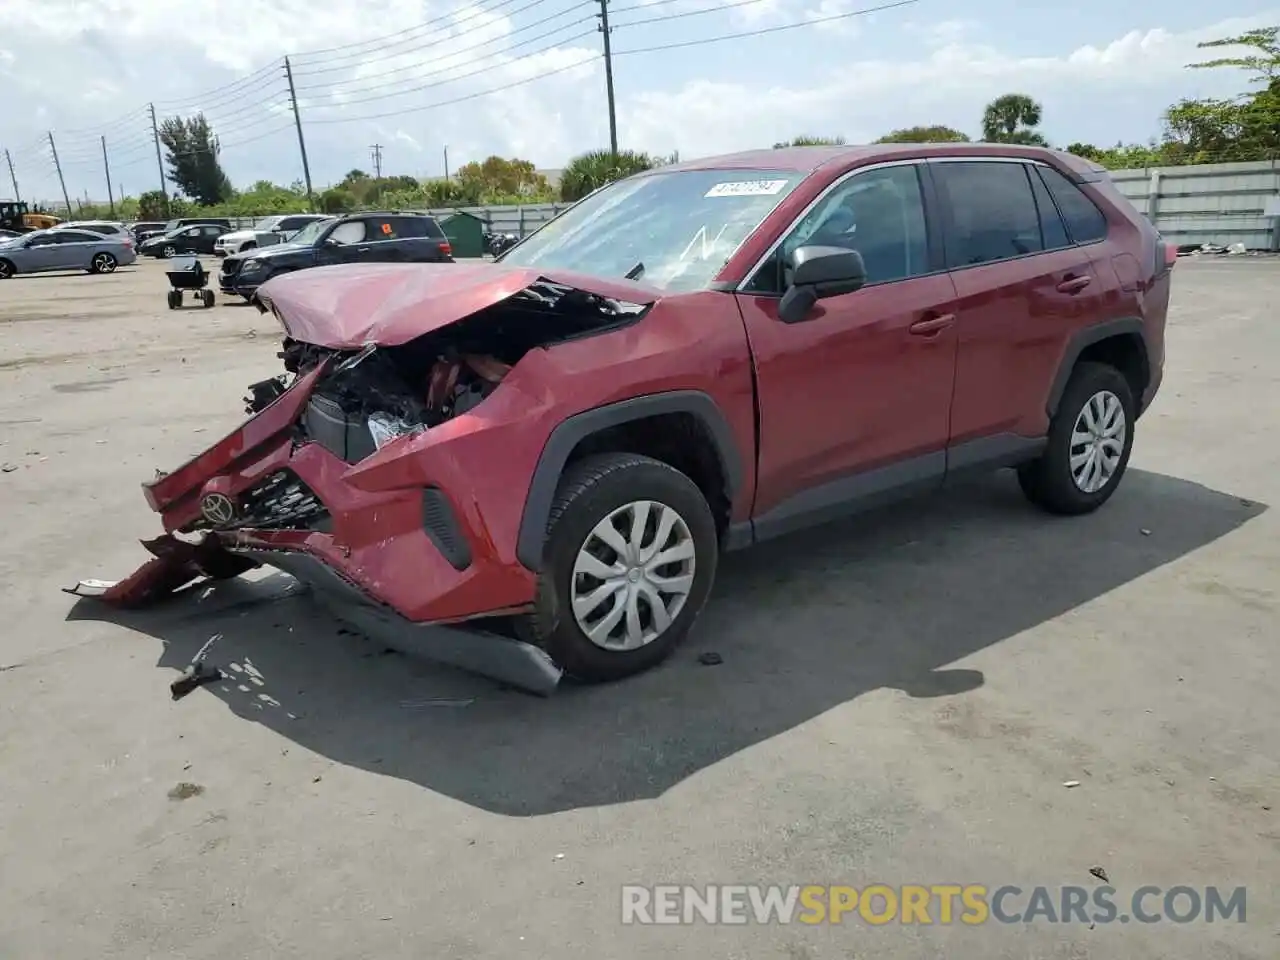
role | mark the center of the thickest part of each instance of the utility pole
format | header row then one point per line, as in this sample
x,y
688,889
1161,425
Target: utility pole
x,y
107,169
446,161
375,154
58,166
155,135
608,76
17,194
297,122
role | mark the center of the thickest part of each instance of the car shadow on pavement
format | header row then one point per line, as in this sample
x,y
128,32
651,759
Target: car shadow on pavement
x,y
803,624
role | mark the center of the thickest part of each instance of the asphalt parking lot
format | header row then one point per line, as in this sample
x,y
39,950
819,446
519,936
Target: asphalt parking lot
x,y
901,700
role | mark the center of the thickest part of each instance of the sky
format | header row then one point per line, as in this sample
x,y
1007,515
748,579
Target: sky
x,y
525,78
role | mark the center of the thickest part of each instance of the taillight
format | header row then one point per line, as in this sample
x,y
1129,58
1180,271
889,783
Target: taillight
x,y
1170,254
446,248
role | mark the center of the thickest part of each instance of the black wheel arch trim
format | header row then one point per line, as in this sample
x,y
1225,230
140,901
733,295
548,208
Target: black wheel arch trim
x,y
568,434
1081,341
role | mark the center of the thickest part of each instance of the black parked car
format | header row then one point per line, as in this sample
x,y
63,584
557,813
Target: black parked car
x,y
198,238
146,229
170,226
387,237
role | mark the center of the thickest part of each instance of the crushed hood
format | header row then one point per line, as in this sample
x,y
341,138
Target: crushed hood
x,y
347,307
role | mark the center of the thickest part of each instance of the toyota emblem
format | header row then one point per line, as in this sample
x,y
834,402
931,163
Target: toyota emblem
x,y
217,509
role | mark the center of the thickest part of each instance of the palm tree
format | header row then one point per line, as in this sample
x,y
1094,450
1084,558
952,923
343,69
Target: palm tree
x,y
593,170
1012,119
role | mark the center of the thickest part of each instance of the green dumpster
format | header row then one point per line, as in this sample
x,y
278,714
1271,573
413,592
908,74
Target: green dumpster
x,y
466,233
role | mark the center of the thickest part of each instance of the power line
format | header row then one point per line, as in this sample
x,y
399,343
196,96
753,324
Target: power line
x,y
439,83
764,30
690,13
475,46
404,36
235,85
471,96
338,87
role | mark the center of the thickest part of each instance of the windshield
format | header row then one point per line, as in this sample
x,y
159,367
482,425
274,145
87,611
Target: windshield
x,y
172,225
310,232
672,230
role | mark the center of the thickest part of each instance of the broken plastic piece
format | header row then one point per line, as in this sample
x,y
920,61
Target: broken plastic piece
x,y
176,563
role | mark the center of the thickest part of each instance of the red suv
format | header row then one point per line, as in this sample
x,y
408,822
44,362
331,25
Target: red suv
x,y
556,447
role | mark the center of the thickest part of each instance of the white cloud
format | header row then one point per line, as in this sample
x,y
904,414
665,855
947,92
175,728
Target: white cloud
x,y
902,71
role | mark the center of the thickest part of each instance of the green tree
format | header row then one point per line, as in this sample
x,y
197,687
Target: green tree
x,y
933,134
591,171
151,206
1263,63
497,180
808,141
1013,118
337,200
193,159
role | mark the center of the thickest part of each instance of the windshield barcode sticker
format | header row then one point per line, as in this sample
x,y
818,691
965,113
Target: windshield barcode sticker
x,y
747,188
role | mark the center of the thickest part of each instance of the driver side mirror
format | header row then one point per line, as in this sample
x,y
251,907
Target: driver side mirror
x,y
816,273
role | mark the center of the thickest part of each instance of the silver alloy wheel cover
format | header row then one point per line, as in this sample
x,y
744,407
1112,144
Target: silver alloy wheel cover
x,y
1097,442
104,263
632,575
5,270
169,251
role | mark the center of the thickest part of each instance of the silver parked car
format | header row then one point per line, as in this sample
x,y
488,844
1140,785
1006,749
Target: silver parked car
x,y
62,249
107,228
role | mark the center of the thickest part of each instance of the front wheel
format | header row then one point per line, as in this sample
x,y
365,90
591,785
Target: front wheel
x,y
1090,439
102,263
169,251
628,563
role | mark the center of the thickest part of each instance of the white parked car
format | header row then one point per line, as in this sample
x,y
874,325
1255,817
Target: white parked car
x,y
107,228
270,232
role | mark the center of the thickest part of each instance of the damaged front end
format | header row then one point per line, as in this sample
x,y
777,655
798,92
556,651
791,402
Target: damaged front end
x,y
352,472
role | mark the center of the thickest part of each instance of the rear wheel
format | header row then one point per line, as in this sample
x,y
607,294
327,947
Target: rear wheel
x,y
6,270
1090,439
628,563
102,263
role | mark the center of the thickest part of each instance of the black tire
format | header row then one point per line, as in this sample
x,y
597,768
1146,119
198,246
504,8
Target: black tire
x,y
589,492
169,251
1048,482
207,298
174,299
6,270
102,263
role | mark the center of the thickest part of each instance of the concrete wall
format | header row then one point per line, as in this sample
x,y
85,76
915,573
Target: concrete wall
x,y
1210,203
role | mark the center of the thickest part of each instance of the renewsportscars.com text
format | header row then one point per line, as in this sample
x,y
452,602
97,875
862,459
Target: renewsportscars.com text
x,y
969,904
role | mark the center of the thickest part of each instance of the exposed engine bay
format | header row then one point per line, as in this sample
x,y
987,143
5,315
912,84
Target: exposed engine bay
x,y
374,395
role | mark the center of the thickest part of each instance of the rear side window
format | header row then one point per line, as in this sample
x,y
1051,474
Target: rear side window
x,y
416,227
1085,221
354,231
1052,229
993,212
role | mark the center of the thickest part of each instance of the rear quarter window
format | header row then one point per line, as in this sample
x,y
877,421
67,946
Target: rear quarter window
x,y
415,227
1085,222
993,212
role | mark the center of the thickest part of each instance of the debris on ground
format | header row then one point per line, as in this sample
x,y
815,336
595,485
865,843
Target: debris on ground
x,y
438,702
1100,874
1071,783
185,791
9,468
710,659
198,673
